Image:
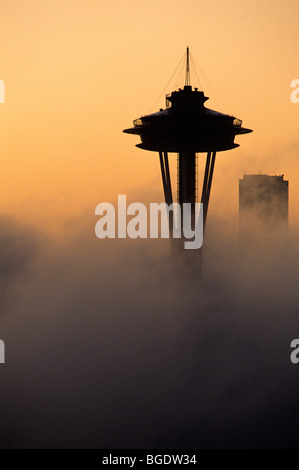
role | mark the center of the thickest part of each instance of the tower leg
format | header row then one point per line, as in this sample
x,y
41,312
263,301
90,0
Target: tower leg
x,y
187,182
207,184
164,163
166,177
186,193
187,187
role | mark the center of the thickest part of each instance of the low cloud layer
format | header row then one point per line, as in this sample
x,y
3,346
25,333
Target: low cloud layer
x,y
113,344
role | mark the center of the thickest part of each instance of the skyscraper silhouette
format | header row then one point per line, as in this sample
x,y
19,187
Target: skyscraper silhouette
x,y
263,205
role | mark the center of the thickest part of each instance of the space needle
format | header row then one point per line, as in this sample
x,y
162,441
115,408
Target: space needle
x,y
187,127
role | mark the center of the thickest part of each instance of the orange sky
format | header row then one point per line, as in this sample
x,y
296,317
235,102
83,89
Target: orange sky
x,y
78,72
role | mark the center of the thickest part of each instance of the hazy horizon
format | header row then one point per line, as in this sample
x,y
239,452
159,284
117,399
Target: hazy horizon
x,y
112,343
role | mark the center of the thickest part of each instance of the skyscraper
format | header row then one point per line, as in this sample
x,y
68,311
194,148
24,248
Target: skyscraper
x,y
263,205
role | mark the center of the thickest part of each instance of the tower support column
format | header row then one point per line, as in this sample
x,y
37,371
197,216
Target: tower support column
x,y
164,164
187,181
166,180
207,184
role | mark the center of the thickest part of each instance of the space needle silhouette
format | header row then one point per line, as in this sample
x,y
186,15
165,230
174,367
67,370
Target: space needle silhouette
x,y
186,127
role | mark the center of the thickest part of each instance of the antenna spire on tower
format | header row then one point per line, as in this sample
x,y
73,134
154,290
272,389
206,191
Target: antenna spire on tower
x,y
187,80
